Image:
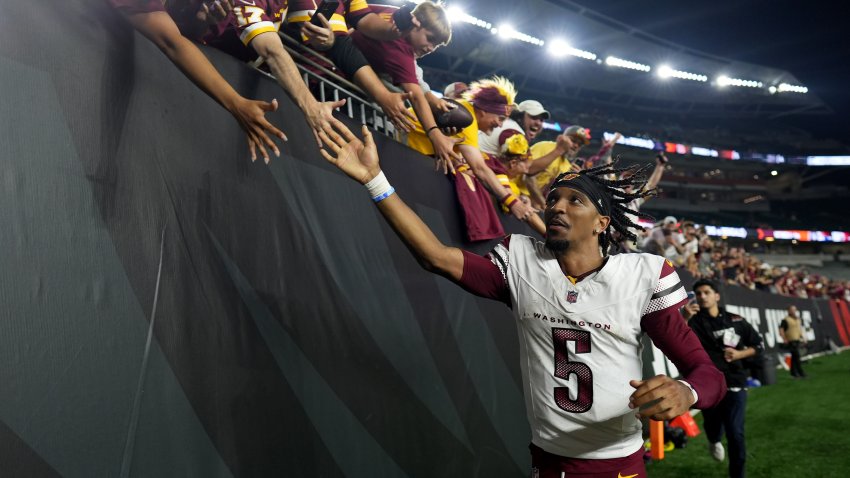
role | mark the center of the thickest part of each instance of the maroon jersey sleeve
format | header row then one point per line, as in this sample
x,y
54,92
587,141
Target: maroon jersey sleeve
x,y
250,19
132,7
487,276
355,10
664,324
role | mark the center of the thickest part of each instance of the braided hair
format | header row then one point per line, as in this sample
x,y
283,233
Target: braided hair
x,y
634,176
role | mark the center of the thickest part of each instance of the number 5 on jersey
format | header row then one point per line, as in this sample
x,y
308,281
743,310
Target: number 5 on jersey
x,y
564,368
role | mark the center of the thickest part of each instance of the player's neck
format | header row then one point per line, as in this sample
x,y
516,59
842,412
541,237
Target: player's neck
x,y
577,262
714,311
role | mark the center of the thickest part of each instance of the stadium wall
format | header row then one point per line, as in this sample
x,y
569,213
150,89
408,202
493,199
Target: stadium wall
x,y
171,309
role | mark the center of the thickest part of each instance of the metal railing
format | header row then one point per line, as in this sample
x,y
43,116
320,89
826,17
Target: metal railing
x,y
332,87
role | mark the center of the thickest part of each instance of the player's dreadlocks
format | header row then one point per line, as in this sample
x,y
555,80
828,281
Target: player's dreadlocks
x,y
609,195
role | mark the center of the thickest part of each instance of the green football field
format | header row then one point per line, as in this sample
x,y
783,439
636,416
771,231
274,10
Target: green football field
x,y
794,428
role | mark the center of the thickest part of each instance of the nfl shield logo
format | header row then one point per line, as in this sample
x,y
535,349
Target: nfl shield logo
x,y
572,297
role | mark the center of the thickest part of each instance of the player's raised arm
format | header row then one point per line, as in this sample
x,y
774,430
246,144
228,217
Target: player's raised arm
x,y
160,29
359,160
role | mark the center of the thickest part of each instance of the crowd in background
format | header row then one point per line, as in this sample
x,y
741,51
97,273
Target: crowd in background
x,y
707,257
475,132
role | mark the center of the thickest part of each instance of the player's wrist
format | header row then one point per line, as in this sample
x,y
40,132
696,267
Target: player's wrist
x,y
694,394
379,187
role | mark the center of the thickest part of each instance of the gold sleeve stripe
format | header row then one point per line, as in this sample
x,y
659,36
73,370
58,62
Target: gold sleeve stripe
x,y
357,5
337,21
252,31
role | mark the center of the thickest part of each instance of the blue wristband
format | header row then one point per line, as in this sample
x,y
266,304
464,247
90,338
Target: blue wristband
x,y
387,194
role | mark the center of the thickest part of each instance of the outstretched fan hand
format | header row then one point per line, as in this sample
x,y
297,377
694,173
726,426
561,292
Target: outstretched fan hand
x,y
251,117
358,159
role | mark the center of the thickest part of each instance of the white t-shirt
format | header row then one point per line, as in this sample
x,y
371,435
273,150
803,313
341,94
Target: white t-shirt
x,y
489,143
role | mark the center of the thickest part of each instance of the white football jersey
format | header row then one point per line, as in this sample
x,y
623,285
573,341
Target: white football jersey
x,y
580,345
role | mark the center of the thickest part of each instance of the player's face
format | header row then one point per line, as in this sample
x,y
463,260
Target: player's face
x,y
706,297
571,216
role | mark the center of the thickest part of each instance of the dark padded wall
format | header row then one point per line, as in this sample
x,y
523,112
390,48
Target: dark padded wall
x,y
171,309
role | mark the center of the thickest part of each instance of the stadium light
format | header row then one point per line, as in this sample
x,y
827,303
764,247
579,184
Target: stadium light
x,y
504,30
828,160
559,48
456,14
583,54
621,63
507,31
724,80
665,71
783,87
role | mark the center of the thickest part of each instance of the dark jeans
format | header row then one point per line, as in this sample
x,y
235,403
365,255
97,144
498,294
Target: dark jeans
x,y
729,415
796,364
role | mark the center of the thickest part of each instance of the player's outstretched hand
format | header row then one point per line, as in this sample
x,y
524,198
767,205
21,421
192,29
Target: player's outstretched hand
x,y
358,159
251,115
660,398
320,117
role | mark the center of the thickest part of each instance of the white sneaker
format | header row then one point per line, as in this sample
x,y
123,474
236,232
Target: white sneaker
x,y
716,450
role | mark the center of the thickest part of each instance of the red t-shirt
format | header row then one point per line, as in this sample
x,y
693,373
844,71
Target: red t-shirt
x,y
394,58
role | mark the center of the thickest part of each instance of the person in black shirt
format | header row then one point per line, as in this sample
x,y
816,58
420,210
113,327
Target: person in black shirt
x,y
728,339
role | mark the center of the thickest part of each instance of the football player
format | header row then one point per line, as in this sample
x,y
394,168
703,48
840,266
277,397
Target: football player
x,y
580,316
